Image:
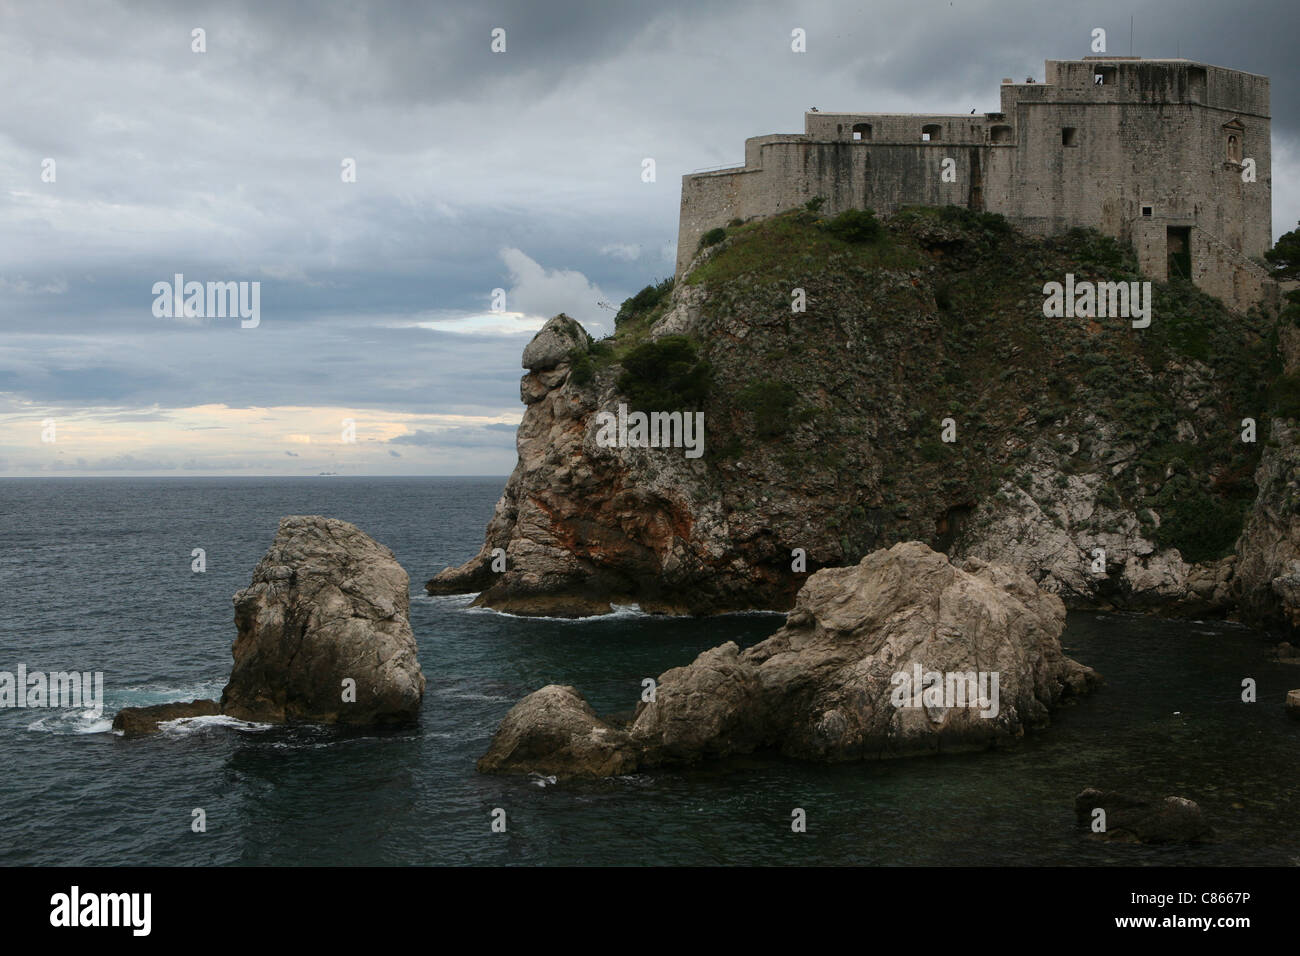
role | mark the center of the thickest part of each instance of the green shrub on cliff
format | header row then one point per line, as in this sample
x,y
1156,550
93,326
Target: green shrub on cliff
x,y
771,404
712,237
856,225
1095,252
1284,396
794,245
1201,526
644,301
581,368
666,375
991,224
1284,257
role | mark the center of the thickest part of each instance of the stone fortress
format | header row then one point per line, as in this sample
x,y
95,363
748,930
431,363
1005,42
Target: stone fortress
x,y
1156,152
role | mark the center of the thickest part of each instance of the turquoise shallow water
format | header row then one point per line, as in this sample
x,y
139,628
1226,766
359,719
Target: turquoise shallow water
x,y
95,575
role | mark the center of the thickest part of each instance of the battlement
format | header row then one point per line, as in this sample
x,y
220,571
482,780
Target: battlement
x,y
1141,149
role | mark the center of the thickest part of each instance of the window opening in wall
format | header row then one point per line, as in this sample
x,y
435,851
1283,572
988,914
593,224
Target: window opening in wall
x,y
1069,136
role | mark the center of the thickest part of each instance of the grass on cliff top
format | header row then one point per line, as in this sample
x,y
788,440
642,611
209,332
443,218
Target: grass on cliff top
x,y
796,243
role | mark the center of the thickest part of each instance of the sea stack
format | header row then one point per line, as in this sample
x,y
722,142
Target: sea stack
x,y
323,637
324,634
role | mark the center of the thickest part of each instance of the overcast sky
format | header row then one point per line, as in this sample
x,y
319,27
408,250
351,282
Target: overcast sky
x,y
475,171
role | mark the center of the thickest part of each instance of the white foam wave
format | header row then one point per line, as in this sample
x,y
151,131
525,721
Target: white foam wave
x,y
620,611
144,695
72,722
463,602
183,726
491,698
451,600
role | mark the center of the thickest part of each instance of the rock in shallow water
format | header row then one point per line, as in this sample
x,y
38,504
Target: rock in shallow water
x,y
554,727
327,604
135,721
1135,819
904,653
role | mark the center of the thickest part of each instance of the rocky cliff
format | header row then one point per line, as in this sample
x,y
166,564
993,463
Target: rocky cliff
x,y
863,385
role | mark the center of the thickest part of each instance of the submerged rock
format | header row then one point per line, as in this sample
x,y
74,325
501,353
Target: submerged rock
x,y
323,631
1287,653
1135,819
904,653
137,721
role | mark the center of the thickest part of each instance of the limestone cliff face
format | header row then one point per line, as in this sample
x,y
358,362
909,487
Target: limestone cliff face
x,y
583,526
1105,461
1266,586
1267,583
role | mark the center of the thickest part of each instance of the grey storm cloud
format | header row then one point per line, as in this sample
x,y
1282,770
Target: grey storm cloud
x,y
226,166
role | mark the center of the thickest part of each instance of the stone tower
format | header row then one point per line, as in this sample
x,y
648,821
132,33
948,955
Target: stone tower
x,y
1168,154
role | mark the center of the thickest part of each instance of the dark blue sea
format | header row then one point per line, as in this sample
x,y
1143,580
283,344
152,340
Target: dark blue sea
x,y
95,575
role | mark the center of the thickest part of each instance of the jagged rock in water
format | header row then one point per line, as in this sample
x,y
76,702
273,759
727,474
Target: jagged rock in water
x,y
327,605
137,721
902,654
1134,819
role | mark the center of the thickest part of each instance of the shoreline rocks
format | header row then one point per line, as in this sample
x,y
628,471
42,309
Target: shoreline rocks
x,y
903,654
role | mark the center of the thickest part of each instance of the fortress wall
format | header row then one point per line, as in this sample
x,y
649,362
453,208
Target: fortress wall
x,y
1118,159
1147,150
880,176
897,127
1171,158
710,200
